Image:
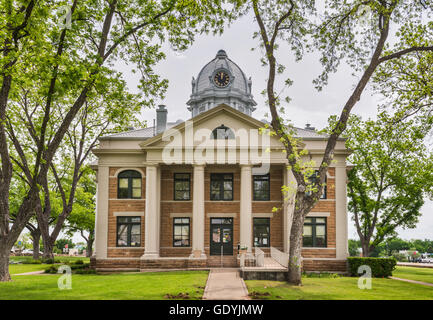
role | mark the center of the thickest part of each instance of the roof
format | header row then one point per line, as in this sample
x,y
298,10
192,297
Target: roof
x,y
146,133
221,60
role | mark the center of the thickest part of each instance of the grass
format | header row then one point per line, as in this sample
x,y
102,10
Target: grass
x,y
23,268
59,258
341,288
146,286
412,273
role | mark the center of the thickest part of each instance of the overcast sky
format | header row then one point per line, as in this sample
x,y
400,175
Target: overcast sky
x,y
307,106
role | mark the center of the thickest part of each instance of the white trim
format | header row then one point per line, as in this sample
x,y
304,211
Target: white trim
x,y
221,215
318,248
180,215
263,215
319,214
141,248
126,199
126,213
143,175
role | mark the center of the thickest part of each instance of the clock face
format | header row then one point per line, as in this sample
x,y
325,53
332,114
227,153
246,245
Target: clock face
x,y
221,79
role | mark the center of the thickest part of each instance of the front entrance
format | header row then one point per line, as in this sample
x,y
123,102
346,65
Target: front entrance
x,y
221,236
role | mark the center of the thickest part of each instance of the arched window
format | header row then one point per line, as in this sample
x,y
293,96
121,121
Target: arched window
x,y
129,185
222,132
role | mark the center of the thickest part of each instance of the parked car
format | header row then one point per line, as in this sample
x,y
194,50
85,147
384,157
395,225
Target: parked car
x,y
27,251
427,260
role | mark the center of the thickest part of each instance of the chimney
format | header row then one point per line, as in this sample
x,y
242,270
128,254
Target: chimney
x,y
161,119
309,127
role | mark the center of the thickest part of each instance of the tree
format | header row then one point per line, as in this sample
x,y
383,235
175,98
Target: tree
x,y
340,36
61,243
392,173
68,63
82,218
354,246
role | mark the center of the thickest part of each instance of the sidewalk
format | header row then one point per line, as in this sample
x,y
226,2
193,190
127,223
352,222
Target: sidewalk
x,y
413,281
225,284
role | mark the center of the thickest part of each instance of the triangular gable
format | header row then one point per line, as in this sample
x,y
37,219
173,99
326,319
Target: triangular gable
x,y
212,119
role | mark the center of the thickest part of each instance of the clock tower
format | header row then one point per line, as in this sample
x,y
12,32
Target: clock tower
x,y
221,81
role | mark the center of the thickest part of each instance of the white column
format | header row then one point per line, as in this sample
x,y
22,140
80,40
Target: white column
x,y
198,213
342,250
289,205
245,208
151,235
101,223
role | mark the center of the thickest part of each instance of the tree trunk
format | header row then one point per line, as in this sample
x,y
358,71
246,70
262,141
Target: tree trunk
x,y
89,250
4,262
295,258
365,249
36,236
48,248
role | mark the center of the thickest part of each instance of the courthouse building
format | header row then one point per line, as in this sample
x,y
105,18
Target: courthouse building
x,y
202,192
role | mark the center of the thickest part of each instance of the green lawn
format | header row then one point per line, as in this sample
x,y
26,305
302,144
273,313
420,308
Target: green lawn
x,y
148,286
60,258
342,288
23,268
418,274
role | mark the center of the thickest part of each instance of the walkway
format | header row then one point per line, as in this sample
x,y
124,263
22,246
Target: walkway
x,y
413,281
416,265
225,284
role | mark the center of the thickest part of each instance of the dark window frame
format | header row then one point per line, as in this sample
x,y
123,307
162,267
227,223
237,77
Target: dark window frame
x,y
313,225
268,224
189,231
222,190
228,133
129,226
179,179
264,177
130,175
324,194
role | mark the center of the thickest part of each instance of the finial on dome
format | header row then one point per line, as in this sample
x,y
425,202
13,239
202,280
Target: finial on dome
x,y
221,54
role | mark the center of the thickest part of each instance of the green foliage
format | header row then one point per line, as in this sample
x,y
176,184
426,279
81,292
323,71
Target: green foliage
x,y
31,261
354,246
60,244
393,171
380,267
52,269
400,257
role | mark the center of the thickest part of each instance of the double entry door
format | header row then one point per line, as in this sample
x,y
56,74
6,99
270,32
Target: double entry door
x,y
221,236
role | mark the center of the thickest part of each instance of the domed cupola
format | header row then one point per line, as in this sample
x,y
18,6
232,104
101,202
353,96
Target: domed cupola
x,y
221,81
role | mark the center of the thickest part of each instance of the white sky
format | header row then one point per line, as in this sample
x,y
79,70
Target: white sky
x,y
307,106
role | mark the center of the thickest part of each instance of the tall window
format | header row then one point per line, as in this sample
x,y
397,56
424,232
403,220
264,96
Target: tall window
x,y
262,237
261,188
314,232
221,186
181,235
315,177
222,132
128,231
129,185
182,186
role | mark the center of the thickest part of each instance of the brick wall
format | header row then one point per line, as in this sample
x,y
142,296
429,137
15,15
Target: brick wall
x,y
169,206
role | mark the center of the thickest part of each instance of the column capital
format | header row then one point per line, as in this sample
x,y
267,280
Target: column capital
x,y
151,164
199,166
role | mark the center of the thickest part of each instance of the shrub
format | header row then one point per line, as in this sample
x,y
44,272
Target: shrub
x,y
31,261
79,261
48,261
401,257
51,269
79,266
380,267
85,271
